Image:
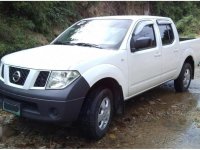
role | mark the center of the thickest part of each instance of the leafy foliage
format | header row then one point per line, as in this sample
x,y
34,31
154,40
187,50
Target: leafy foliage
x,y
189,26
39,16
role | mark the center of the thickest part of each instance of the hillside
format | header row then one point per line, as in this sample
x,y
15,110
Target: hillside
x,y
28,24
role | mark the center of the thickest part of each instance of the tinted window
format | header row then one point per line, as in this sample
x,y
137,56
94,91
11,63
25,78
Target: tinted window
x,y
145,32
166,34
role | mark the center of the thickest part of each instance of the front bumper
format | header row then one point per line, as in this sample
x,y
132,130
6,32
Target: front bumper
x,y
48,105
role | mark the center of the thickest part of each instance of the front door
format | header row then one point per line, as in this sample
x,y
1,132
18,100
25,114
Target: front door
x,y
144,60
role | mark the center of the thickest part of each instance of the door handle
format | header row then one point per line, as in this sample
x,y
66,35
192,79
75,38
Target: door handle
x,y
175,50
157,55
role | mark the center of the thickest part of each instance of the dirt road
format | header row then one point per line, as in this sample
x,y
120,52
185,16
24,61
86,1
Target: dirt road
x,y
159,118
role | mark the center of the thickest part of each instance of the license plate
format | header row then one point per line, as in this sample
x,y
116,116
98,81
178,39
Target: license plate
x,y
11,106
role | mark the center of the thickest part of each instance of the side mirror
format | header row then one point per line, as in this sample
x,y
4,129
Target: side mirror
x,y
140,43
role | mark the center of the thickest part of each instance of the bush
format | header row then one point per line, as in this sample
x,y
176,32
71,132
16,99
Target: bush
x,y
6,33
188,26
14,38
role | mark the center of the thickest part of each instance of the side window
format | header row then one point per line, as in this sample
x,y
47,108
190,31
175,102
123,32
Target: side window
x,y
143,37
166,34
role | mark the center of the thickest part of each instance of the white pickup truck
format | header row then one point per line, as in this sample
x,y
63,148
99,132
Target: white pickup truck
x,y
89,70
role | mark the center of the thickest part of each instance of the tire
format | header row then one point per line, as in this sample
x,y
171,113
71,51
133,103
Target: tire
x,y
96,113
182,83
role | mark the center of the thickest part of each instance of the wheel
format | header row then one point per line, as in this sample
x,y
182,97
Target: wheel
x,y
182,83
96,113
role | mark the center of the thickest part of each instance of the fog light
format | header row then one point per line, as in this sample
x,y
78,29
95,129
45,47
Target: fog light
x,y
54,114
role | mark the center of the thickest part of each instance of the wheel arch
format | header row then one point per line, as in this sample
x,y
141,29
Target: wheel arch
x,y
116,89
112,77
103,71
190,60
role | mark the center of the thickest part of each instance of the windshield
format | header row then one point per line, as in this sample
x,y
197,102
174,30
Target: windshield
x,y
107,34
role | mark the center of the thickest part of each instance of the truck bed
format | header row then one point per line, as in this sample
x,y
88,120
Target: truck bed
x,y
194,44
185,39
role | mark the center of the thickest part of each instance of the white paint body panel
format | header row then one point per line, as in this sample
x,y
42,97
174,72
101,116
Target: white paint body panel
x,y
135,72
54,57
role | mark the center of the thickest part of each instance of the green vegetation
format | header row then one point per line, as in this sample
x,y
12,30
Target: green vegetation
x,y
22,21
28,24
189,26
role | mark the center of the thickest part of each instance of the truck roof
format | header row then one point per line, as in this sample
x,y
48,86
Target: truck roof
x,y
131,17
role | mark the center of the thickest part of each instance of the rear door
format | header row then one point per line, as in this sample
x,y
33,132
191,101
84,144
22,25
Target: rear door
x,y
170,49
145,63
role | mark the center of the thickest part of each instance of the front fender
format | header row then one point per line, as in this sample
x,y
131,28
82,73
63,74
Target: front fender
x,y
94,74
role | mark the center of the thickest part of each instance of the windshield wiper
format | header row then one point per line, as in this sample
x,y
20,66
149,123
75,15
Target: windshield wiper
x,y
62,43
87,44
79,44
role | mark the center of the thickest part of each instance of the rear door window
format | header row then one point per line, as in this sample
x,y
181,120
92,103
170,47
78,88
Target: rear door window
x,y
166,34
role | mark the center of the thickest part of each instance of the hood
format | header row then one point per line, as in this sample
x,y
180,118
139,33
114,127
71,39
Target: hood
x,y
54,57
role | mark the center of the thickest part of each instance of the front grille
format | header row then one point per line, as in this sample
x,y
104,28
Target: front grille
x,y
2,72
41,79
17,75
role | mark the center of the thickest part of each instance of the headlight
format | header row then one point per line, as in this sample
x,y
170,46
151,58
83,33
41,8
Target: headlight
x,y
61,79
